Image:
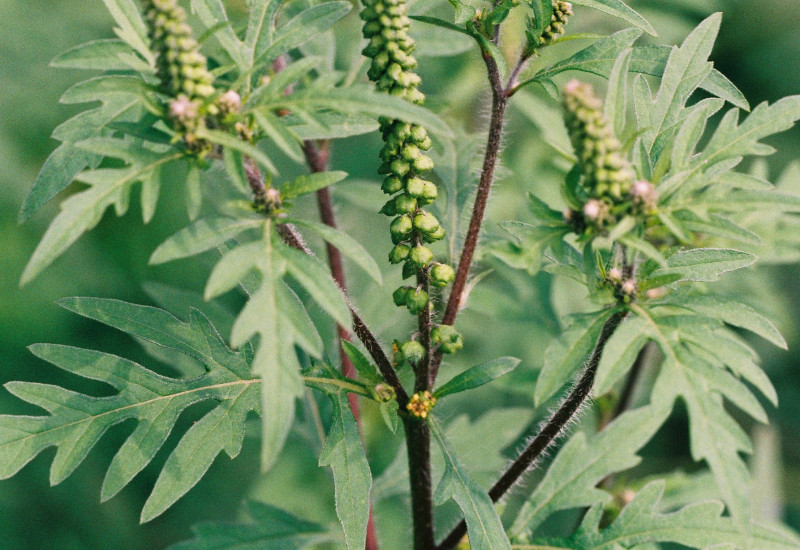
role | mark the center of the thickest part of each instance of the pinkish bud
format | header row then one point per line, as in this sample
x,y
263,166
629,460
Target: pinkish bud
x,y
615,274
655,293
594,210
629,287
230,102
182,108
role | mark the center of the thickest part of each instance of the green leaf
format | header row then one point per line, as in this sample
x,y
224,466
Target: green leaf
x,y
478,376
737,314
652,59
364,366
617,96
714,436
100,87
567,354
597,59
76,421
706,264
212,14
234,266
620,354
619,9
698,525
352,479
202,235
686,69
304,26
572,478
732,139
269,529
66,161
275,359
330,125
98,55
346,244
261,26
484,528
435,21
316,279
464,12
280,135
310,183
131,26
228,140
359,99
82,211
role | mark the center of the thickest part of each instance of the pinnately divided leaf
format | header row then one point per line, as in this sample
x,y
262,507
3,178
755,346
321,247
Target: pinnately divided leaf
x,y
107,187
714,435
698,525
76,421
571,480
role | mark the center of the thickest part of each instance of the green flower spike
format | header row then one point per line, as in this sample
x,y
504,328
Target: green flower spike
x,y
181,67
182,71
386,26
562,11
608,178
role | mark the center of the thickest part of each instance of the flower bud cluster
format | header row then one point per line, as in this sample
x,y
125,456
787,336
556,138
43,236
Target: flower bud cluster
x,y
625,288
608,177
181,69
421,404
562,11
403,154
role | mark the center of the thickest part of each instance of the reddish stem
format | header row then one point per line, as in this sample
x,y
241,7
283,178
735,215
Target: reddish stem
x,y
317,157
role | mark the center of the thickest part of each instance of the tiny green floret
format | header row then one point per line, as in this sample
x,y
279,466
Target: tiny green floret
x,y
404,162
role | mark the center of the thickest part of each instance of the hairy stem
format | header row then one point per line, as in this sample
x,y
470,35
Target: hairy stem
x,y
499,103
317,156
418,442
292,237
549,432
423,380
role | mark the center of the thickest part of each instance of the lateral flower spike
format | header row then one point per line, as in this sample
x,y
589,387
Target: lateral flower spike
x,y
181,69
608,177
562,11
386,26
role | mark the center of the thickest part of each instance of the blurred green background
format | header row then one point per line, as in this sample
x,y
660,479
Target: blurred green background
x,y
759,50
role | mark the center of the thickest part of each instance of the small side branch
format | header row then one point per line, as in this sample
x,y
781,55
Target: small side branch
x,y
499,104
549,432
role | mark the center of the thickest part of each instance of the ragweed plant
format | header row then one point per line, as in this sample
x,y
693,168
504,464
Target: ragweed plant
x,y
244,118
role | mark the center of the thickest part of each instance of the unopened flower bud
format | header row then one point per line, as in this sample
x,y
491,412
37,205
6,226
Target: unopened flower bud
x,y
230,102
413,351
417,300
399,253
442,274
401,228
400,296
448,338
421,256
629,287
426,222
